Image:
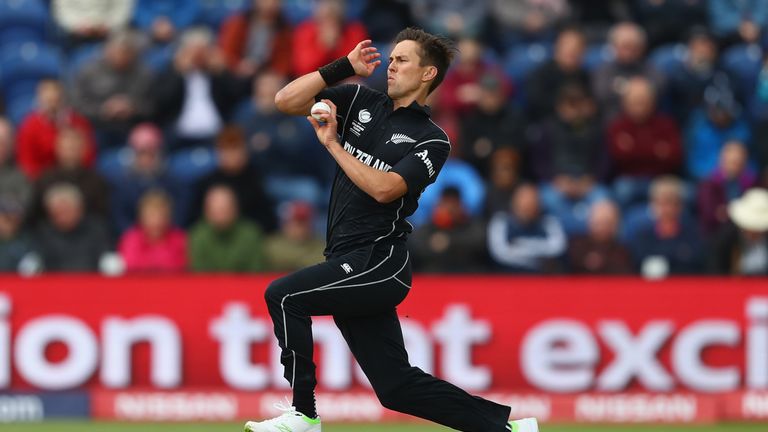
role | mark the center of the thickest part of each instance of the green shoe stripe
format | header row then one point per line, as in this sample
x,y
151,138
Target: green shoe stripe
x,y
513,426
312,421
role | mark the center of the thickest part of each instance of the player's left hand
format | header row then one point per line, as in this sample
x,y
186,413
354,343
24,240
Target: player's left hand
x,y
326,132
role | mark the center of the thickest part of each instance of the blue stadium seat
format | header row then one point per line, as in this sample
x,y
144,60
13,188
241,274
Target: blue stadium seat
x,y
522,59
597,55
460,175
189,165
23,20
667,58
744,62
25,64
214,12
82,55
18,107
159,58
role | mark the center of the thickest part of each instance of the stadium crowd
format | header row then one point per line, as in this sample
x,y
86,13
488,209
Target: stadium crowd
x,y
615,137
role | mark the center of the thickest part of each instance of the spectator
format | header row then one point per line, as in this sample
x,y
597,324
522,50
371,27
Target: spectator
x,y
452,241
522,239
628,42
145,171
197,93
163,19
14,242
528,20
565,66
70,151
296,245
720,120
688,79
661,19
503,180
257,39
113,91
568,198
222,241
283,145
669,241
87,20
741,248
325,37
643,143
729,181
14,186
461,91
69,240
599,251
736,21
38,132
383,19
569,141
492,125
154,244
236,171
453,18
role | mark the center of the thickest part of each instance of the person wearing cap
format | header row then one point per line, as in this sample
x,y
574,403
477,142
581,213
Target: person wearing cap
x,y
223,241
741,248
297,244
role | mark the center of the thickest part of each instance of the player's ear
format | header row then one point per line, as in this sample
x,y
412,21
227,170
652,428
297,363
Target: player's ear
x,y
429,74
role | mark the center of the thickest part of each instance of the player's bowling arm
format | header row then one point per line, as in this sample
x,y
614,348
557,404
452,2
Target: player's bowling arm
x,y
382,186
298,96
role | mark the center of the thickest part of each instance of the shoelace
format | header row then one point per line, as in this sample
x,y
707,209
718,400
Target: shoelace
x,y
288,410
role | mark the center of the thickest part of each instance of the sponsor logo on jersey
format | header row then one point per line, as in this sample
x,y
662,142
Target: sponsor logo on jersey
x,y
364,116
423,156
399,138
347,268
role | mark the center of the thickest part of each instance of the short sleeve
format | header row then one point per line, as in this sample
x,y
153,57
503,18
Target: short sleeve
x,y
419,168
343,96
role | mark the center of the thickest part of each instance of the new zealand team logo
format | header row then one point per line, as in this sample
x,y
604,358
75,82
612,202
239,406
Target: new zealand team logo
x,y
399,138
364,116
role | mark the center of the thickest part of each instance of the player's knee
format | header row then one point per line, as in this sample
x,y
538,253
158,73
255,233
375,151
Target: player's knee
x,y
275,292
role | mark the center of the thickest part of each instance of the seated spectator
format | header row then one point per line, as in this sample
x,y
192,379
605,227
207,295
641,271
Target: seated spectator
x,y
282,145
197,93
528,20
719,120
14,186
296,245
565,66
89,20
730,180
669,243
628,41
460,175
14,241
461,90
257,39
154,244
599,250
741,248
237,172
452,241
70,151
569,196
522,239
69,240
113,91
735,21
325,37
455,18
383,19
491,125
39,129
222,241
164,19
570,140
145,171
661,19
643,143
503,179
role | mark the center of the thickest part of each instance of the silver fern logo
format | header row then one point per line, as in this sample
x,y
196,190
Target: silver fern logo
x,y
399,138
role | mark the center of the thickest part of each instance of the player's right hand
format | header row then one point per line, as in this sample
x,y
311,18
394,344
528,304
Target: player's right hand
x,y
364,58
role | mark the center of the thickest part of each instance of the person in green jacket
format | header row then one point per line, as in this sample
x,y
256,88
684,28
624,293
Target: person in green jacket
x,y
222,241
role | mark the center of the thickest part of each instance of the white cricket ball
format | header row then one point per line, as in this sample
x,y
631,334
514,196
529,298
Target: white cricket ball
x,y
319,108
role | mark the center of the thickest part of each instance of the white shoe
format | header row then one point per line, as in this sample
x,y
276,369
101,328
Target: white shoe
x,y
523,425
290,421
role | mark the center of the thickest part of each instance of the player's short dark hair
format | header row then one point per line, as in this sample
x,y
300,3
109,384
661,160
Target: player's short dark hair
x,y
437,51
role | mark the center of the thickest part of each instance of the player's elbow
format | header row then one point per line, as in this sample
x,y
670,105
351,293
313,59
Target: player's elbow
x,y
385,197
390,190
282,101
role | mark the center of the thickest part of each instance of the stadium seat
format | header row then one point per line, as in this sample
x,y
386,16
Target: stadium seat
x,y
23,20
189,165
667,58
18,107
25,64
283,189
522,59
744,62
158,58
460,175
214,12
81,56
597,55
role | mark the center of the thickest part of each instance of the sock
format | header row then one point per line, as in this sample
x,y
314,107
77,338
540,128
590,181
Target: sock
x,y
305,403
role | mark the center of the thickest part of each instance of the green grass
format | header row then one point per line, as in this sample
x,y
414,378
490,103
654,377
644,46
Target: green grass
x,y
237,427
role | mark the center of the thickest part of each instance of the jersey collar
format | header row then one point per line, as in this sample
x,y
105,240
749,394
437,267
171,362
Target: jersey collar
x,y
414,107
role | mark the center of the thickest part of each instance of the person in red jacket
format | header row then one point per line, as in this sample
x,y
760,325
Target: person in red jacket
x,y
38,133
642,142
325,37
256,39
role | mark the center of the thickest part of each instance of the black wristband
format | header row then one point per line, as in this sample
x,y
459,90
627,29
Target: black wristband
x,y
338,70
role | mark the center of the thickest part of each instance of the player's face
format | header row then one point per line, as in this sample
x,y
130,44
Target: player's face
x,y
405,76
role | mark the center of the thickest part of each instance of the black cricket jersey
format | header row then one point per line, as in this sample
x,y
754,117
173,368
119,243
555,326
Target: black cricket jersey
x,y
405,141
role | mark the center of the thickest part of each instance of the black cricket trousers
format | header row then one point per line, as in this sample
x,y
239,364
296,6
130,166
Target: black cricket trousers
x,y
361,290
